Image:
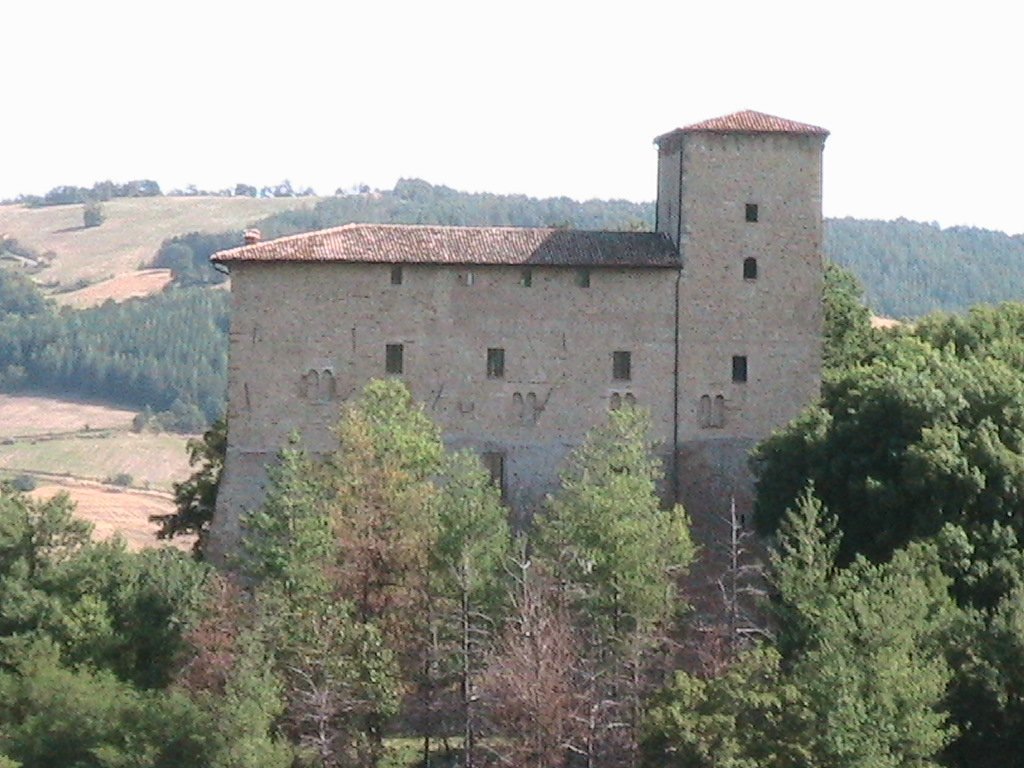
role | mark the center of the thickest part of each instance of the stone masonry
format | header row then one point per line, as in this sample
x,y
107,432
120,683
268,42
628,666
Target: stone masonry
x,y
518,341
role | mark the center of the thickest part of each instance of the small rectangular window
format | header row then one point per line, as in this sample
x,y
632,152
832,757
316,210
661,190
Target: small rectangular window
x,y
739,368
751,212
583,278
494,463
526,278
393,358
621,366
396,274
495,363
466,278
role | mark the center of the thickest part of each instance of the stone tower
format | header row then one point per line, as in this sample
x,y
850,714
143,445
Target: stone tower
x,y
740,196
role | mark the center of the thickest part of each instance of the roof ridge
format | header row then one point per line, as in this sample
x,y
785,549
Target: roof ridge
x,y
748,121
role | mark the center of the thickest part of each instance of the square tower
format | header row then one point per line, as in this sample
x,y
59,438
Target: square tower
x,y
740,196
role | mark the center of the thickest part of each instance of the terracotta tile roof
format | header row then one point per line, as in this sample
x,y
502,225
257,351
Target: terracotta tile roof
x,y
409,244
747,121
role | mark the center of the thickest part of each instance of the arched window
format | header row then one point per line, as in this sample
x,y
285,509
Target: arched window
x,y
718,412
750,268
704,411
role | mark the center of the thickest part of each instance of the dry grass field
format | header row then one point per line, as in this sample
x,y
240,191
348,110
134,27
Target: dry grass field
x,y
118,512
130,285
132,233
74,446
22,415
152,460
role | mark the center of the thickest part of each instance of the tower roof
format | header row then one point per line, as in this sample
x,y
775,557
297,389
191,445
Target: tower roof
x,y
747,121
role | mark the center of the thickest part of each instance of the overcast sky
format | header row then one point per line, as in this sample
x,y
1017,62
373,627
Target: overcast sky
x,y
544,98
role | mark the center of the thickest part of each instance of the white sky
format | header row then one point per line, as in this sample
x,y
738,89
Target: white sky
x,y
923,99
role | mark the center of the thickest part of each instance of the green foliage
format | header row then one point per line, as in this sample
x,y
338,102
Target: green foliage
x,y
921,436
188,256
752,716
91,638
865,646
474,540
608,534
858,678
848,337
92,214
54,715
339,678
289,540
245,717
107,607
196,498
19,296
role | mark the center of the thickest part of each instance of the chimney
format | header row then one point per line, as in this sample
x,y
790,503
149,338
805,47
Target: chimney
x,y
252,236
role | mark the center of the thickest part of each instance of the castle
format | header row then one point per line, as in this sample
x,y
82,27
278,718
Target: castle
x,y
517,341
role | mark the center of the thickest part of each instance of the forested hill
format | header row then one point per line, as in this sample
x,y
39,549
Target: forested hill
x,y
908,268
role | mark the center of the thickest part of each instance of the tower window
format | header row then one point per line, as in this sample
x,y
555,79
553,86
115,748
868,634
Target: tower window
x,y
739,368
526,278
751,212
393,358
750,268
495,363
494,463
396,274
621,366
583,278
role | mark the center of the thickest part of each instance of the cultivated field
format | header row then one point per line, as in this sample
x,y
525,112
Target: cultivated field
x,y
132,233
151,460
143,282
27,415
117,511
77,447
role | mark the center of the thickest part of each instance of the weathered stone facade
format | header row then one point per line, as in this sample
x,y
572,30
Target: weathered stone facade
x,y
720,319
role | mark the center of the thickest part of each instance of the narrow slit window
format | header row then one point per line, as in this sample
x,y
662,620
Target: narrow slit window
x,y
396,274
621,366
494,463
583,278
739,368
751,212
526,278
495,363
750,268
393,354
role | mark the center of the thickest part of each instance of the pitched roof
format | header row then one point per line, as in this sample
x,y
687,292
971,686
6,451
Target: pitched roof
x,y
414,244
748,121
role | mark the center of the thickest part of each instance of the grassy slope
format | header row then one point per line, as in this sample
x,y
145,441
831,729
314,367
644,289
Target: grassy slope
x,y
153,460
132,232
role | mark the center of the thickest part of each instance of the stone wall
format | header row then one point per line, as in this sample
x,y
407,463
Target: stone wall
x,y
307,337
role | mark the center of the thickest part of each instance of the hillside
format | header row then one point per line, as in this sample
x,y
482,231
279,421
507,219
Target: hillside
x,y
131,234
81,448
